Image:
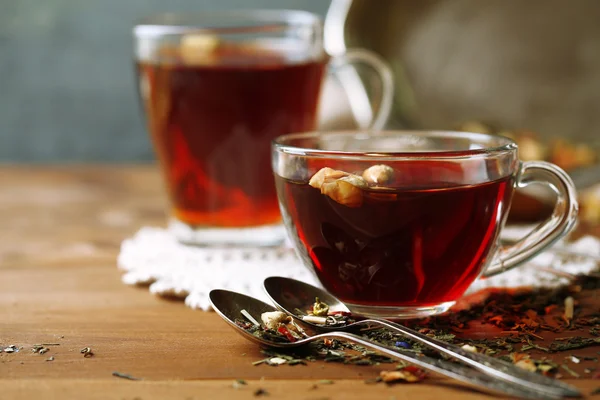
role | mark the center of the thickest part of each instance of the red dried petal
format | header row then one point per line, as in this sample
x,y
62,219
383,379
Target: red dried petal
x,y
285,332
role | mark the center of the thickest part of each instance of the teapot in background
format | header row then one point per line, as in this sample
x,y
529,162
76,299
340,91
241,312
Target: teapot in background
x,y
519,65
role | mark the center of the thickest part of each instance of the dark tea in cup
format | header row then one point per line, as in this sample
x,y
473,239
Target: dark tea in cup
x,y
401,224
211,120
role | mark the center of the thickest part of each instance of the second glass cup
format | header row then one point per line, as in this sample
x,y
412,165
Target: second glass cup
x,y
216,89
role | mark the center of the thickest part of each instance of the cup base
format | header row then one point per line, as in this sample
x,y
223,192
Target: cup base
x,y
392,312
261,236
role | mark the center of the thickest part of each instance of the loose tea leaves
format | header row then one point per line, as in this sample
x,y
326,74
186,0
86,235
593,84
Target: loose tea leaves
x,y
577,342
523,318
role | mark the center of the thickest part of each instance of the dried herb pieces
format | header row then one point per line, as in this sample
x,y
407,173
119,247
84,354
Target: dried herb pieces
x,y
260,392
250,317
408,374
325,382
273,319
11,349
524,318
569,308
570,371
87,352
238,383
320,314
576,342
125,376
320,309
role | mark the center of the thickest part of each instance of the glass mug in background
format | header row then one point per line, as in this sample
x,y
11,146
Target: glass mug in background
x,y
216,89
401,223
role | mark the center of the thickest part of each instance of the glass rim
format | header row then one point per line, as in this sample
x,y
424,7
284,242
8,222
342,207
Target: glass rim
x,y
503,145
236,21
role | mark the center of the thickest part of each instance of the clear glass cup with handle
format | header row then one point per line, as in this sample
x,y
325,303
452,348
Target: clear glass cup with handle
x,y
216,88
401,223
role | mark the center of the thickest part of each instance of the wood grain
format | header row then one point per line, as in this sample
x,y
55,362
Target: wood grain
x,y
59,237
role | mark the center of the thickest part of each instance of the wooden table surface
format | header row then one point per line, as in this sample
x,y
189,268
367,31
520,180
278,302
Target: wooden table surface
x,y
60,232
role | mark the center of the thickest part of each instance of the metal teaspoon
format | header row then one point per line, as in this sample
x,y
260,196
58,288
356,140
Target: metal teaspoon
x,y
229,306
289,294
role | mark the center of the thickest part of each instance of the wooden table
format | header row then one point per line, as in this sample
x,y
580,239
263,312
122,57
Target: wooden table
x,y
60,232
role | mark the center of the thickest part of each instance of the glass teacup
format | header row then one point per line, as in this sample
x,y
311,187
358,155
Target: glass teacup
x,y
216,89
401,223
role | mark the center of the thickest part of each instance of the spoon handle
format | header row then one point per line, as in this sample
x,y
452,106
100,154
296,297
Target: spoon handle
x,y
452,370
488,365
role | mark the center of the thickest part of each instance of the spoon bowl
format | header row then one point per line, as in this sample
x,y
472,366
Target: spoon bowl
x,y
229,305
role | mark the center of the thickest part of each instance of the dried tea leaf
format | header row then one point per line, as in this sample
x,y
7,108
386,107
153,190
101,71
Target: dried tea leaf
x,y
576,342
320,309
125,376
238,383
409,374
260,392
87,352
11,349
570,371
277,361
468,347
272,319
325,382
527,365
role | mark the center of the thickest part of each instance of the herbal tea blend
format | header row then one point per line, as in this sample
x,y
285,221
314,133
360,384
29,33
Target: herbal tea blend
x,y
536,330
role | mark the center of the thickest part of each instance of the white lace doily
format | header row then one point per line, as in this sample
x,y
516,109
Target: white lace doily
x,y
153,256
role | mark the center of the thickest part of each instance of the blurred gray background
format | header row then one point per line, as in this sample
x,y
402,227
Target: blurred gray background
x,y
67,80
68,88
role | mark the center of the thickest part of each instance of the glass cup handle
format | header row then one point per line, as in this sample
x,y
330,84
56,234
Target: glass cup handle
x,y
561,221
386,91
